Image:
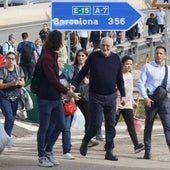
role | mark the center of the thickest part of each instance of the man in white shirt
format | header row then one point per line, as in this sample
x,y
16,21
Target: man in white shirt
x,y
151,77
160,15
8,46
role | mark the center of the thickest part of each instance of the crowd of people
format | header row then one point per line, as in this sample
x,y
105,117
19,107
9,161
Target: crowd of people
x,y
99,82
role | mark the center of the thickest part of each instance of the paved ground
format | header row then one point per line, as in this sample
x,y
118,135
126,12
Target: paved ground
x,y
23,154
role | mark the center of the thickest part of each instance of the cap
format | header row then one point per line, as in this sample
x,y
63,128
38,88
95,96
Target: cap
x,y
11,36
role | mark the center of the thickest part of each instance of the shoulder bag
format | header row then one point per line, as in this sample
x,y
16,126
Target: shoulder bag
x,y
160,93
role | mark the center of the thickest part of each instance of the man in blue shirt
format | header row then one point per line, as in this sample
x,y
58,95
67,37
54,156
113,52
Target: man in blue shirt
x,y
151,77
27,65
105,78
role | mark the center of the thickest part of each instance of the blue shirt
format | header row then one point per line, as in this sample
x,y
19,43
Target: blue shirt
x,y
151,77
20,46
105,74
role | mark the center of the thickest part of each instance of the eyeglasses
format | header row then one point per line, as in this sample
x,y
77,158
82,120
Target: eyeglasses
x,y
10,58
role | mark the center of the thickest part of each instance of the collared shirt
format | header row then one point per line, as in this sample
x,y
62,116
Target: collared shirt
x,y
151,77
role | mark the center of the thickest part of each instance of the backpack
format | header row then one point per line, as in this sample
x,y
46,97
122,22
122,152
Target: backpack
x,y
18,71
1,50
1,47
36,79
27,53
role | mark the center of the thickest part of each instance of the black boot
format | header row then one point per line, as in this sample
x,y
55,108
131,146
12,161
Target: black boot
x,y
83,148
109,156
147,154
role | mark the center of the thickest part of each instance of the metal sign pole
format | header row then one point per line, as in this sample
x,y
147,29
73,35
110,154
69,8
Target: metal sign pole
x,y
68,46
166,34
5,4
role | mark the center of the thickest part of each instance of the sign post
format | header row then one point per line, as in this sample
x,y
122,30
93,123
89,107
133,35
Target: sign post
x,y
91,15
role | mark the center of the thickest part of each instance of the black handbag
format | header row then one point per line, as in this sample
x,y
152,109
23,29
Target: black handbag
x,y
160,93
83,89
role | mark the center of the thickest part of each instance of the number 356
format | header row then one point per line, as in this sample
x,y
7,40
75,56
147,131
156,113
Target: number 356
x,y
116,21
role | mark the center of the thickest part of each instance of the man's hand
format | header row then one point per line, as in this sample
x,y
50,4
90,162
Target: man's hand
x,y
74,95
122,101
72,88
148,102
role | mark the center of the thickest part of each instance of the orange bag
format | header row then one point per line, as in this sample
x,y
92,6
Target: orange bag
x,y
69,107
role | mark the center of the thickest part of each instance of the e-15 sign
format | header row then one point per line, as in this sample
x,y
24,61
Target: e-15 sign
x,y
81,10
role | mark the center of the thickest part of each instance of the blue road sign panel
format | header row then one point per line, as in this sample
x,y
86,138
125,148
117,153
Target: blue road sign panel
x,y
93,15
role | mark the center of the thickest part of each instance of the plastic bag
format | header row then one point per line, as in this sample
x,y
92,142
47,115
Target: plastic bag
x,y
4,138
21,114
28,100
78,121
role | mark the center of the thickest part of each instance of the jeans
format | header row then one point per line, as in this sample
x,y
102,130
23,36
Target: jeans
x,y
9,109
164,113
151,31
128,117
99,105
51,123
66,135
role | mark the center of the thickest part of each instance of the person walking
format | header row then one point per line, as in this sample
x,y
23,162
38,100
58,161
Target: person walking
x,y
151,77
44,32
11,81
127,109
8,46
51,113
27,56
105,77
83,37
39,47
83,103
152,24
140,27
65,79
161,17
95,38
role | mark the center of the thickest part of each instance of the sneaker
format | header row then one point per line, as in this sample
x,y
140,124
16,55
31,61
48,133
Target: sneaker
x,y
10,143
68,156
100,137
138,148
92,143
44,162
51,158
